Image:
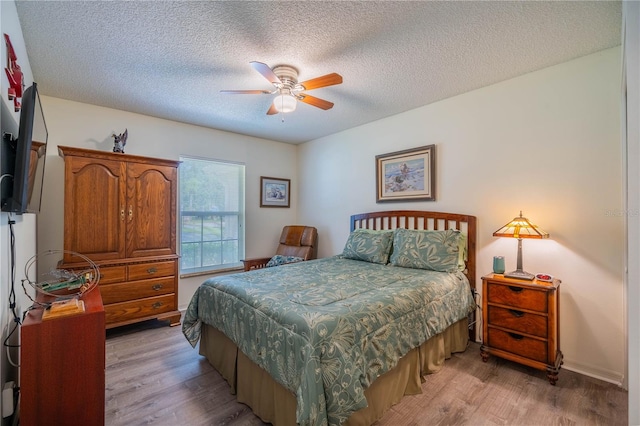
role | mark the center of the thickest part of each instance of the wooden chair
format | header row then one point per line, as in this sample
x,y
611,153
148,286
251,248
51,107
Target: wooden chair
x,y
299,241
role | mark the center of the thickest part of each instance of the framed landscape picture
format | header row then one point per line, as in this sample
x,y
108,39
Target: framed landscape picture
x,y
274,192
407,175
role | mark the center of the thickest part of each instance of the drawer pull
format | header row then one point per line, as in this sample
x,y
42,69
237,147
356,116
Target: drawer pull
x,y
152,270
517,314
156,305
157,287
515,289
516,336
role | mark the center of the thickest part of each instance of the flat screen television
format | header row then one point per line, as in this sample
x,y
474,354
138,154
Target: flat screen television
x,y
24,158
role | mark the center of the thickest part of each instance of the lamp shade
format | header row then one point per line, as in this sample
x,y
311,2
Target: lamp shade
x,y
285,103
520,227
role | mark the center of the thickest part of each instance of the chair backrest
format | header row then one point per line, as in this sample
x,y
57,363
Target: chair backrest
x,y
300,241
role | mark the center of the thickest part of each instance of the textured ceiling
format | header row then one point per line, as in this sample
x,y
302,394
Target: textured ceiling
x,y
170,59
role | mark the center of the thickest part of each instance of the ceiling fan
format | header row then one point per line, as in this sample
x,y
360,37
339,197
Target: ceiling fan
x,y
288,90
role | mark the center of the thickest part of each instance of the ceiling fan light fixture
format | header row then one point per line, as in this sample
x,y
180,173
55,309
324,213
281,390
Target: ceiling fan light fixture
x,y
287,89
285,103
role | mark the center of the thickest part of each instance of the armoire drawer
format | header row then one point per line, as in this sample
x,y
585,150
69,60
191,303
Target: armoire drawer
x,y
151,270
519,297
518,344
518,320
112,274
139,308
121,292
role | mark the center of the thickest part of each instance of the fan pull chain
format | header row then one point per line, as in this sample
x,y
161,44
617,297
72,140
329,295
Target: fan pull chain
x,y
282,109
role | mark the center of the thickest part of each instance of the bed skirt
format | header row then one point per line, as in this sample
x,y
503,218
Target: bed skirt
x,y
274,404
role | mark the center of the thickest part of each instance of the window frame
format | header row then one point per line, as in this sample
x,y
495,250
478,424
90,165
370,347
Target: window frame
x,y
241,215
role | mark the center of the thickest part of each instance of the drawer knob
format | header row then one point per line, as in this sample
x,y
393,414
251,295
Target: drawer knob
x,y
152,270
515,289
516,336
517,314
156,305
157,287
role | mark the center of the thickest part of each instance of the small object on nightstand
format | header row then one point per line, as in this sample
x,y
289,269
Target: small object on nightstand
x,y
521,322
545,277
498,264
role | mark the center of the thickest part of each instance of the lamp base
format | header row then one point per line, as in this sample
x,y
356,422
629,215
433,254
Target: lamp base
x,y
520,274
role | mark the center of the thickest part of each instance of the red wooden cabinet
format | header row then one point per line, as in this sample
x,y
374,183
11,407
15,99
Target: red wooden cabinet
x,y
62,367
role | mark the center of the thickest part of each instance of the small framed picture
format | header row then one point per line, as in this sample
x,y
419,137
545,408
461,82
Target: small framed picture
x,y
275,192
407,175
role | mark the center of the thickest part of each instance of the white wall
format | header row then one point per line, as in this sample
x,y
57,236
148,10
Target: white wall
x,y
631,138
25,226
546,143
88,126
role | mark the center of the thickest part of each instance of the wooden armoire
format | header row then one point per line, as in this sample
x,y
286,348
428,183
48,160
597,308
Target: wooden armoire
x,y
120,212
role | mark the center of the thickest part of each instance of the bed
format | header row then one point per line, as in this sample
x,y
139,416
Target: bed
x,y
340,340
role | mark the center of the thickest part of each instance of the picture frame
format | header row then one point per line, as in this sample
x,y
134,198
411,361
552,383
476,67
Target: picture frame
x,y
408,175
275,192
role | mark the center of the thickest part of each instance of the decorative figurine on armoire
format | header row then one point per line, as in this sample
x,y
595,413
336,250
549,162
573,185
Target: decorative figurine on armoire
x,y
119,141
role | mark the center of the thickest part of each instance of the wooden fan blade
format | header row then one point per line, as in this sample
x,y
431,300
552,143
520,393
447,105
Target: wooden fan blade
x,y
316,102
272,110
247,92
266,72
324,81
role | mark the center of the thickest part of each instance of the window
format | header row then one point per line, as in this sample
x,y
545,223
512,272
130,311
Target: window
x,y
211,215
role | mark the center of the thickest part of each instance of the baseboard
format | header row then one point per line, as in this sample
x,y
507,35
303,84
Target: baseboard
x,y
596,373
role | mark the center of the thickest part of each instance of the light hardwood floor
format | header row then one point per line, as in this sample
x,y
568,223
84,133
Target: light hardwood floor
x,y
154,377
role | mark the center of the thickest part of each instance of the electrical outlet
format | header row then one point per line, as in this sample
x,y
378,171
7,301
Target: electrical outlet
x,y
7,399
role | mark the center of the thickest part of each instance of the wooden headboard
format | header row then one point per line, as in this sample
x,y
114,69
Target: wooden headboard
x,y
417,219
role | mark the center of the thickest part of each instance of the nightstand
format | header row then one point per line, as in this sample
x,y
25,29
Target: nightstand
x,y
520,322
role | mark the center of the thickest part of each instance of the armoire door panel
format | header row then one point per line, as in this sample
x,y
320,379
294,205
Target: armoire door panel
x,y
151,199
96,227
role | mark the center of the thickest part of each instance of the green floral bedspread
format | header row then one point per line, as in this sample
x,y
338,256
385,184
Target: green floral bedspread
x,y
325,329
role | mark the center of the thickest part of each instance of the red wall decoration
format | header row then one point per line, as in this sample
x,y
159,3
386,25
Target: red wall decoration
x,y
14,73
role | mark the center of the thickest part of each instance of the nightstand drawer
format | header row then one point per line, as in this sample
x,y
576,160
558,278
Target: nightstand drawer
x,y
516,320
518,344
520,297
